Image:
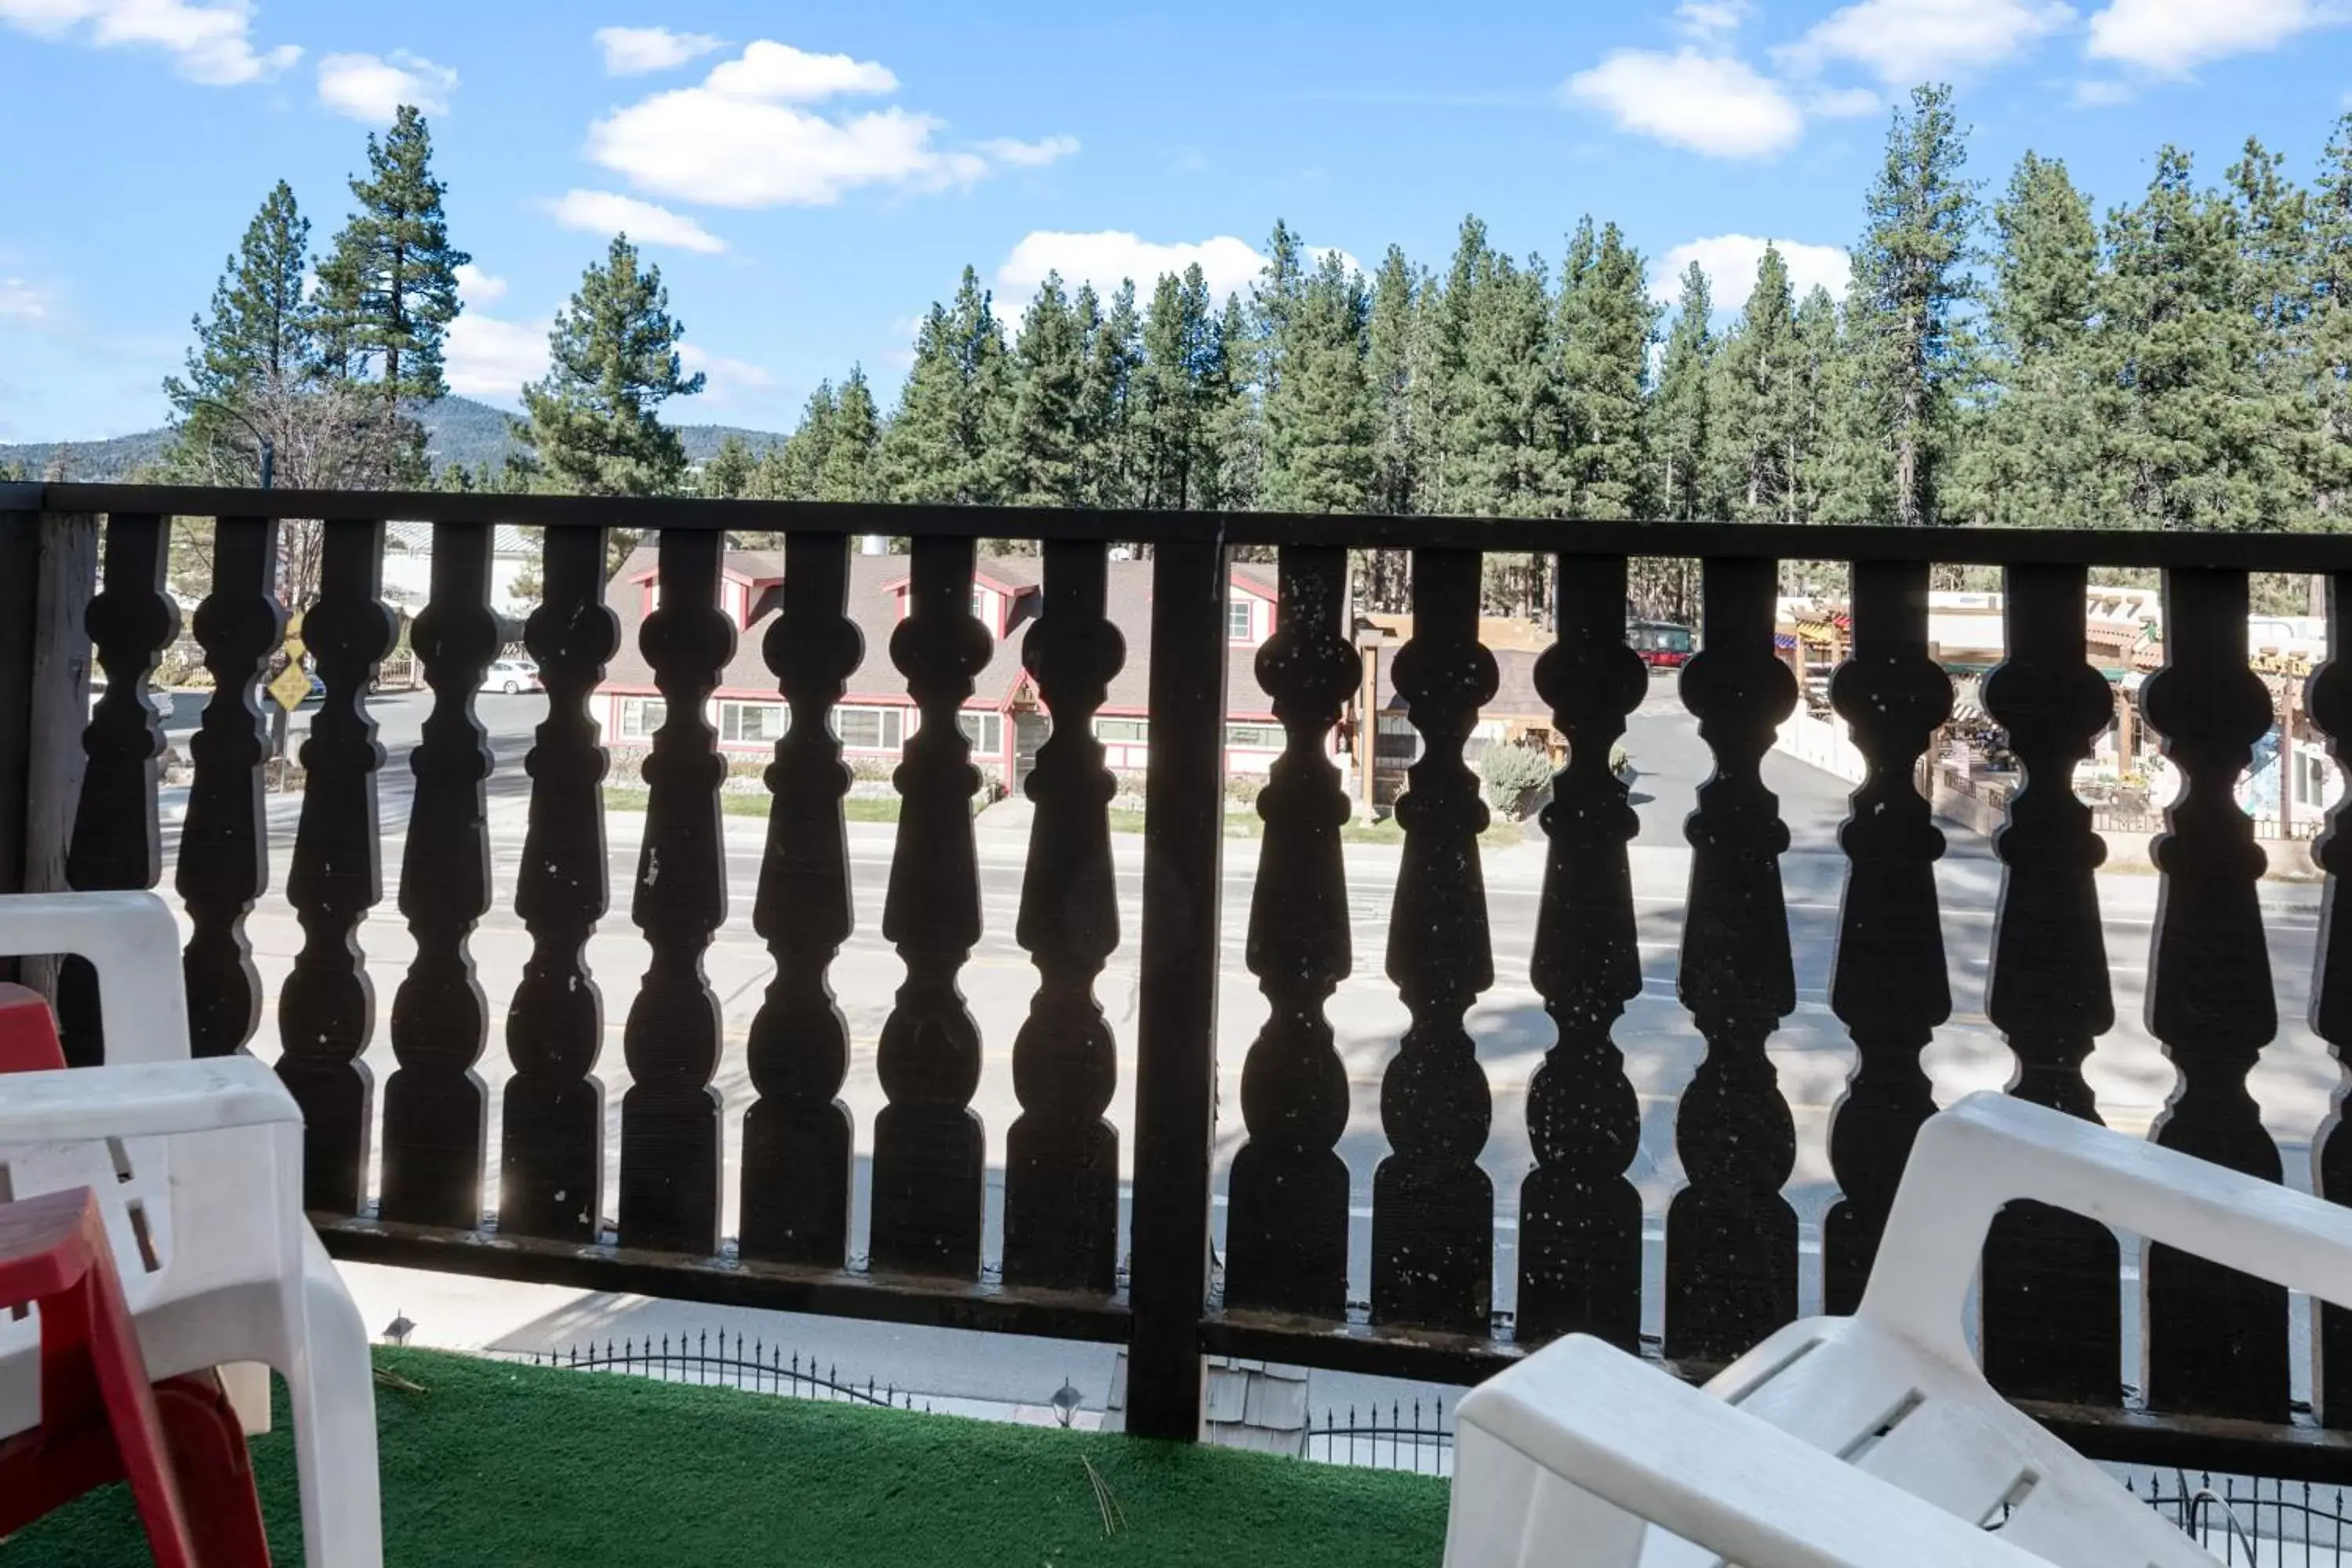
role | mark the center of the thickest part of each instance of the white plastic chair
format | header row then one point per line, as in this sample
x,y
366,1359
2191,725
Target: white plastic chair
x,y
198,1167
1821,1444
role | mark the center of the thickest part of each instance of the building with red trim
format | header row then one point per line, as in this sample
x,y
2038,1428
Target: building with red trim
x,y
1003,716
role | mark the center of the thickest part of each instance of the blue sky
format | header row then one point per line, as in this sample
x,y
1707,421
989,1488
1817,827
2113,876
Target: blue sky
x,y
809,178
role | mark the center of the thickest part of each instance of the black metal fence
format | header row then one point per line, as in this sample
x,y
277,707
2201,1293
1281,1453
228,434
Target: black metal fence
x,y
2247,1520
727,1360
1412,1436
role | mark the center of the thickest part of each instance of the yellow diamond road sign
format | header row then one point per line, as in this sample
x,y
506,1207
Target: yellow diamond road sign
x,y
291,687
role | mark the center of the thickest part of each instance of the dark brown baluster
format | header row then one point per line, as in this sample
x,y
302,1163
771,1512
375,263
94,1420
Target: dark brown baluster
x,y
1889,986
1061,1167
927,1144
1731,1238
434,1124
2216,1340
2053,1312
551,1130
326,1013
1286,1225
2328,700
798,1147
669,1118
115,838
224,841
1580,1218
1433,1207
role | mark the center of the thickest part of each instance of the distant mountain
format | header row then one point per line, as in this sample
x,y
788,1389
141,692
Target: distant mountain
x,y
457,431
92,462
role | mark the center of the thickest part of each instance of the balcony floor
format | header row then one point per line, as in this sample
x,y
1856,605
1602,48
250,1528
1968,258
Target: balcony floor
x,y
505,1465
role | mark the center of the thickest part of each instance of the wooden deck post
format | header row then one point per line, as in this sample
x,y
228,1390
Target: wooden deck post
x,y
48,570
1176,1044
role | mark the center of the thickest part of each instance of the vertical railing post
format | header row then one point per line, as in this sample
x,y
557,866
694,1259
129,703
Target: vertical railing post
x,y
65,578
1176,1049
20,557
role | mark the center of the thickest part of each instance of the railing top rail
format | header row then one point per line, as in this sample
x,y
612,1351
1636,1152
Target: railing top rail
x,y
1826,541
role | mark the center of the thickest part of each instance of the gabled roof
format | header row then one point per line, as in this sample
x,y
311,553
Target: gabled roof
x,y
416,539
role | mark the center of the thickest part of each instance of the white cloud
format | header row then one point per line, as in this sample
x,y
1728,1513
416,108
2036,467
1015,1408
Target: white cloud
x,y
769,69
1109,256
632,51
2169,36
484,357
1905,41
21,301
475,287
212,44
1729,262
1843,103
1711,104
739,139
1034,154
369,88
724,378
1711,21
608,213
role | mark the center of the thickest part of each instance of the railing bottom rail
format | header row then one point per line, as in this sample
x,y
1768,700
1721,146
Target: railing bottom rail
x,y
728,1281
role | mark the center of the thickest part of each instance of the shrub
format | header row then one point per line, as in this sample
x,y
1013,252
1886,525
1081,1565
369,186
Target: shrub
x,y
1514,775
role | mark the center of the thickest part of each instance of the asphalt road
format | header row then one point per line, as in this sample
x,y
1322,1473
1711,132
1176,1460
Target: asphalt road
x,y
1811,1050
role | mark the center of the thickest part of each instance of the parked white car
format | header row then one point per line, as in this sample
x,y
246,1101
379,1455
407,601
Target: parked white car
x,y
511,676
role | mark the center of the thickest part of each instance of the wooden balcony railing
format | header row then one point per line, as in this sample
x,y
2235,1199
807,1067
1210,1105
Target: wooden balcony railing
x,y
2215,1387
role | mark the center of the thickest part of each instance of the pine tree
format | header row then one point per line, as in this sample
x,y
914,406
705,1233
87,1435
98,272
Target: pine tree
x,y
853,443
2035,460
1048,372
2176,346
1911,277
795,469
2327,459
946,442
390,287
1503,420
1756,397
1318,414
1808,437
612,362
1391,353
1233,432
2272,222
1174,391
1113,347
728,475
1439,387
263,328
1680,417
1606,325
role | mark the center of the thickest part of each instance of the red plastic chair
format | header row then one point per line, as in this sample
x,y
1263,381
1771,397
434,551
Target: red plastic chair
x,y
177,1441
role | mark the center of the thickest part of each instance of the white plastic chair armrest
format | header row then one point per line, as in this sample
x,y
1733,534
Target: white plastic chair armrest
x,y
1644,1441
132,941
1989,1150
144,1100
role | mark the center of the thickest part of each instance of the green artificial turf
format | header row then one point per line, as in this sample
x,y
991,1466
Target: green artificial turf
x,y
495,1464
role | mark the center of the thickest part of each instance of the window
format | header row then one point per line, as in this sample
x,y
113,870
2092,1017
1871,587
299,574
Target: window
x,y
869,729
641,716
753,720
984,731
1134,732
1255,737
1240,619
